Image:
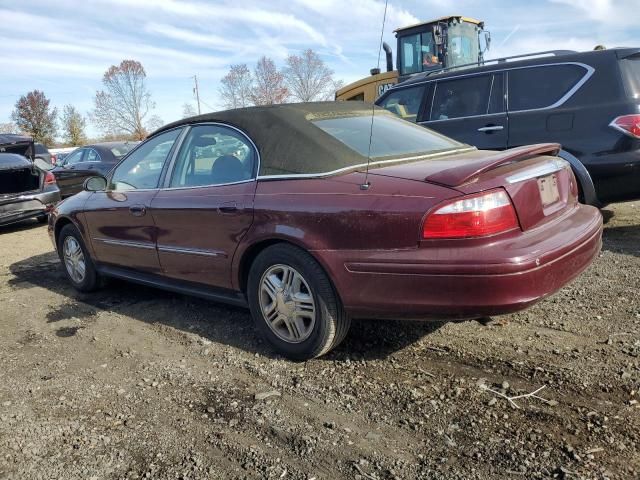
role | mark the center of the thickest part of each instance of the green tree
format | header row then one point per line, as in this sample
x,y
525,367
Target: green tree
x,y
73,125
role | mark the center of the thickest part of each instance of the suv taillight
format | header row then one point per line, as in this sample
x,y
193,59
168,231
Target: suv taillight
x,y
474,215
627,124
49,179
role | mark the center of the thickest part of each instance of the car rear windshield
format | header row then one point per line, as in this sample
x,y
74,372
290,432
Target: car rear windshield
x,y
631,74
390,136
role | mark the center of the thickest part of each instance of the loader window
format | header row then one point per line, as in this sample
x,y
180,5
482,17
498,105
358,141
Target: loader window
x,y
418,53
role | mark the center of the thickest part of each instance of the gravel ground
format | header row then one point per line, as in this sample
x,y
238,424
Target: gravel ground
x,y
132,382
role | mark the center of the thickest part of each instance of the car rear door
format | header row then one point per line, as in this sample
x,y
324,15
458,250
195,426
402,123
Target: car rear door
x,y
206,206
121,227
470,109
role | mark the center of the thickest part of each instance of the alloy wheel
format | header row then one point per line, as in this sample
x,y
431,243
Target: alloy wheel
x,y
287,303
74,260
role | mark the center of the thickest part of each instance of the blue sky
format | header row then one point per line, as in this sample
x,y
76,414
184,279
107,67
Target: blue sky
x,y
64,47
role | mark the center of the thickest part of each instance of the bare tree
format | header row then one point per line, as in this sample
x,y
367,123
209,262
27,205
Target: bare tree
x,y
154,123
269,85
188,110
9,127
33,116
308,78
73,125
236,87
126,102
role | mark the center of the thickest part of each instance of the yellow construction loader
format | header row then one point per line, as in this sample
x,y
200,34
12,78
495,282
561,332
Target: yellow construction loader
x,y
442,43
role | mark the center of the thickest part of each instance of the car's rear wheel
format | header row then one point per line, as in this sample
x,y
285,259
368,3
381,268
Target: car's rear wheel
x,y
294,304
76,261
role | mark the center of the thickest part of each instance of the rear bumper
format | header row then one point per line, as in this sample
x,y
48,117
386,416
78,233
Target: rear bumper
x,y
616,176
21,207
468,279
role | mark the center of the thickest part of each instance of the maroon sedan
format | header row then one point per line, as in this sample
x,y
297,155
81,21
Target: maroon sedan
x,y
310,216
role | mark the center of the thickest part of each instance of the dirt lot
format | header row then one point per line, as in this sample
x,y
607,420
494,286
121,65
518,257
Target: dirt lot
x,y
132,382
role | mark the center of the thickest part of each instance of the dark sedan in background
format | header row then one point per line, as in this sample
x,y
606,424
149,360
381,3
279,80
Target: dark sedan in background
x,y
310,217
88,161
27,189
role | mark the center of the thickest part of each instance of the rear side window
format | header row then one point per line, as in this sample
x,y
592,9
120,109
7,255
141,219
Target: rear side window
x,y
631,75
541,87
40,148
464,97
405,103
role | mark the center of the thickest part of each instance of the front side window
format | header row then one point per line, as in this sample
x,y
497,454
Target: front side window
x,y
213,155
405,102
390,136
142,169
541,87
463,97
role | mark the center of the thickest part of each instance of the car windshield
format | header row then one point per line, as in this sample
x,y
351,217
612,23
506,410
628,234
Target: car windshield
x,y
390,136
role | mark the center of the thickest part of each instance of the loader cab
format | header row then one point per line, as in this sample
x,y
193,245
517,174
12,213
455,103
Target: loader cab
x,y
443,43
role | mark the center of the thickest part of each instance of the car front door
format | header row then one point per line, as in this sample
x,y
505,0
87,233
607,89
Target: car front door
x,y
471,110
67,172
119,221
206,206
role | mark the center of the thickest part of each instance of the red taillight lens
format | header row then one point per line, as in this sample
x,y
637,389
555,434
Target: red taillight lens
x,y
474,215
628,124
49,179
54,159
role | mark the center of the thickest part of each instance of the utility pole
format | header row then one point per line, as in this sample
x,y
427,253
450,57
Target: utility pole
x,y
196,91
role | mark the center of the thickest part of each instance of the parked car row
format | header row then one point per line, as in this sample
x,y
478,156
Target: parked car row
x,y
313,214
27,188
588,102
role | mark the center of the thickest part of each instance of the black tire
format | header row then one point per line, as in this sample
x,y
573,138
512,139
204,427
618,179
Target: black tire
x,y
43,218
331,321
91,280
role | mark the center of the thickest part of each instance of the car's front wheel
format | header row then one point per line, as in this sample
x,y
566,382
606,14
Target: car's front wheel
x,y
76,261
294,304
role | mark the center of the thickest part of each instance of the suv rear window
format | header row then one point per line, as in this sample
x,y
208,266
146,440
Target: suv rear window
x,y
541,87
630,67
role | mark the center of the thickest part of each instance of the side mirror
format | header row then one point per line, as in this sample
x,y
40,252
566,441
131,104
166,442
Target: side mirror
x,y
42,165
95,184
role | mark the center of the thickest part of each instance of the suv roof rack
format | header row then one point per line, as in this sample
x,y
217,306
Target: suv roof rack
x,y
547,53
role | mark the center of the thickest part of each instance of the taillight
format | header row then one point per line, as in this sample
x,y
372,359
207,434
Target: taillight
x,y
49,179
627,124
54,159
474,215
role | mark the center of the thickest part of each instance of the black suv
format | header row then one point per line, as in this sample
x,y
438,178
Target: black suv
x,y
589,102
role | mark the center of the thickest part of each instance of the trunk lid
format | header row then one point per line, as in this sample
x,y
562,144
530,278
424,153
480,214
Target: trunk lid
x,y
541,185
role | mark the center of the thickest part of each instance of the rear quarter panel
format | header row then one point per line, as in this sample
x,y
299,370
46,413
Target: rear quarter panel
x,y
335,213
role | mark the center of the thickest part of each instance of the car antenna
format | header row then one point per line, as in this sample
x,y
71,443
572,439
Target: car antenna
x,y
366,184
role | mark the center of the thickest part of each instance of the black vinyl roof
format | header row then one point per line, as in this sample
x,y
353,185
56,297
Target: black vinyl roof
x,y
12,138
287,140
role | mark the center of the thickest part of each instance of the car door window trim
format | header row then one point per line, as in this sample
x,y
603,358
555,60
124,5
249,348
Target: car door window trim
x,y
589,71
166,181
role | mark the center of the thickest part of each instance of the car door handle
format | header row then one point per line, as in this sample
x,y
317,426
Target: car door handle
x,y
228,207
137,210
491,128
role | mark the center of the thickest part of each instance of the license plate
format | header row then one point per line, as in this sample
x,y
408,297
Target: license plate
x,y
548,190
